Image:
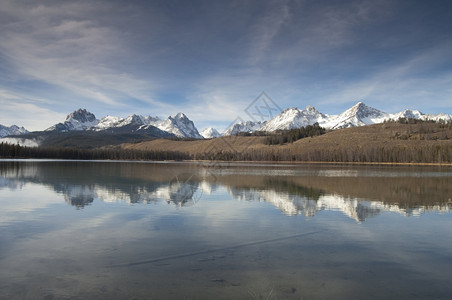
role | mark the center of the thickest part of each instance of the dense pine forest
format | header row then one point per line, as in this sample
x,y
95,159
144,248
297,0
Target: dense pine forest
x,y
357,154
17,151
281,137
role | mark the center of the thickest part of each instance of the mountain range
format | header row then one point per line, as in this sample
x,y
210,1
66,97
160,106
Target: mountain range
x,y
174,126
12,130
358,115
181,126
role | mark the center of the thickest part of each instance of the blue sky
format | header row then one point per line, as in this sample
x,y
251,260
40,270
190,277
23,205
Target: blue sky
x,y
211,59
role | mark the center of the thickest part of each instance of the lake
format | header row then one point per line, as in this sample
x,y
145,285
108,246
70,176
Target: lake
x,y
141,230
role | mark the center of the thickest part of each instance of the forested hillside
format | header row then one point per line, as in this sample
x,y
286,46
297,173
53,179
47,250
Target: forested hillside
x,y
404,141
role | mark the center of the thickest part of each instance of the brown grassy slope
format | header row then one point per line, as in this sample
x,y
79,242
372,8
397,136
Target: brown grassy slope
x,y
388,142
228,144
380,142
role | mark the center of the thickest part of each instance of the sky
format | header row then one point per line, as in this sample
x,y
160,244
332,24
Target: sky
x,y
213,59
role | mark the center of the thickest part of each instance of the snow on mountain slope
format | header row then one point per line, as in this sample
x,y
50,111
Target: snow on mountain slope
x,y
210,132
247,126
12,130
152,120
132,124
110,122
415,114
181,126
358,115
294,118
77,120
409,114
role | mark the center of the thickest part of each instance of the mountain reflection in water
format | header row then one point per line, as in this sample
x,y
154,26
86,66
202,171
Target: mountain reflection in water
x,y
358,192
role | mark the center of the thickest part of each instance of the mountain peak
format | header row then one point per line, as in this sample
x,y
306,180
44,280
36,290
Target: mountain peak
x,y
135,119
181,126
180,116
210,132
12,130
289,110
80,119
310,108
294,118
245,126
81,115
361,110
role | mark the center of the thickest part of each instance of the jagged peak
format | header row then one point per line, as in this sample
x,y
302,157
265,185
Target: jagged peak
x,y
110,117
310,108
152,119
12,130
135,118
360,106
210,132
180,115
180,125
290,109
240,123
409,113
362,110
81,115
408,110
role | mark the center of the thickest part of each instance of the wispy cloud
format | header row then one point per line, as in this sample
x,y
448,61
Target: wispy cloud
x,y
266,27
31,114
63,45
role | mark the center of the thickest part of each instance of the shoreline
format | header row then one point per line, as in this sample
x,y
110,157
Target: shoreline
x,y
256,162
324,163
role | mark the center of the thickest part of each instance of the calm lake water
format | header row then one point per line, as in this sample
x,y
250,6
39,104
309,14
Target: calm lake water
x,y
131,230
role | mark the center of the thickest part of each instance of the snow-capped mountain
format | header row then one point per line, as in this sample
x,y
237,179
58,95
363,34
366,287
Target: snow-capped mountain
x,y
247,126
12,130
80,119
358,115
210,132
109,122
295,118
415,114
181,126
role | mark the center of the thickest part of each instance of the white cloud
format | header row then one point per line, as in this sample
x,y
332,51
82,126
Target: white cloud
x,y
16,203
31,115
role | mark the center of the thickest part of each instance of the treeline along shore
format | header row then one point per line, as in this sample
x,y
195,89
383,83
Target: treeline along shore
x,y
402,141
17,151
